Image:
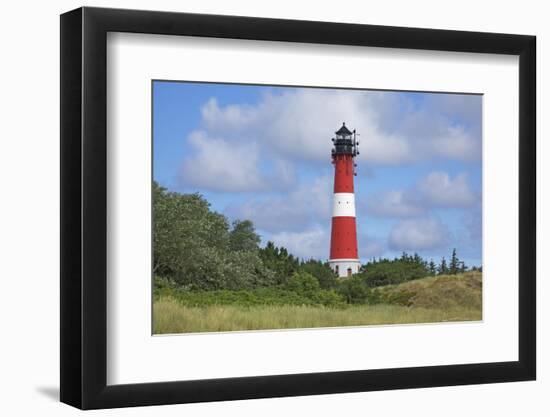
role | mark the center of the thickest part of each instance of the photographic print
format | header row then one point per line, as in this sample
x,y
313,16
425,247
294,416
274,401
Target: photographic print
x,y
282,207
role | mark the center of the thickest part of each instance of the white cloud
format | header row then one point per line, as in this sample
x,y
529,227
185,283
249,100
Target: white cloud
x,y
436,190
418,234
369,247
446,125
310,243
394,203
230,118
299,124
222,166
258,148
456,143
439,190
236,142
309,204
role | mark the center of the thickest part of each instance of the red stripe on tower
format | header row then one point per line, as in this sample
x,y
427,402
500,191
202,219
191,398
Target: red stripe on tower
x,y
343,239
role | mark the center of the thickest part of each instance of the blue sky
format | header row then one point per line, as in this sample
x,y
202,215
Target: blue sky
x,y
263,153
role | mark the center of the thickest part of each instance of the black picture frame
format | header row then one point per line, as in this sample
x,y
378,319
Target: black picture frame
x,y
84,207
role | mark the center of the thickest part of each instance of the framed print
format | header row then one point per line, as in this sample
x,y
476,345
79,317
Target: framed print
x,y
257,207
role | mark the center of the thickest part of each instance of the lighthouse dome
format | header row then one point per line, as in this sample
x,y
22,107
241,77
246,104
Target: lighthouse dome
x,y
343,131
344,143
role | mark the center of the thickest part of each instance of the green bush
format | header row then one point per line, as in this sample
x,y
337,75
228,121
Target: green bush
x,y
250,298
382,272
322,271
302,283
354,290
329,298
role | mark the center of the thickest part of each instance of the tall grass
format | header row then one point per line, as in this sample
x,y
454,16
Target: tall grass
x,y
170,316
426,300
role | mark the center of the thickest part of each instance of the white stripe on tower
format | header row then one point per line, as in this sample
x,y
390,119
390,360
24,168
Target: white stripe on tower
x,y
343,205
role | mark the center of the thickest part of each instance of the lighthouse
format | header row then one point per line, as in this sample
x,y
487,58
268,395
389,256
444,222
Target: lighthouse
x,y
343,240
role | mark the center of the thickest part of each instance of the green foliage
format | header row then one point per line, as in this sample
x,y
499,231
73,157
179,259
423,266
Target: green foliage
x,y
322,271
440,292
309,294
375,296
184,229
279,261
354,290
443,269
329,298
389,272
432,269
454,265
194,247
205,261
243,236
302,283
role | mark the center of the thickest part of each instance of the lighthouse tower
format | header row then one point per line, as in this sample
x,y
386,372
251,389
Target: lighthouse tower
x,y
343,240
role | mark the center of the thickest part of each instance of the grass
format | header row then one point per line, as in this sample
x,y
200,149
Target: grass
x,y
427,300
440,292
170,316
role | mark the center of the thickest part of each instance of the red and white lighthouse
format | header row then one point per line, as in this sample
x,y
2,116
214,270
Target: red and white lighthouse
x,y
343,240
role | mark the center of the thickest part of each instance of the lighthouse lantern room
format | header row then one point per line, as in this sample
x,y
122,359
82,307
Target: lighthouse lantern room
x,y
343,240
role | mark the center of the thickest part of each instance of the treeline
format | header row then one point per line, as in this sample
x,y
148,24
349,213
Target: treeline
x,y
384,271
197,250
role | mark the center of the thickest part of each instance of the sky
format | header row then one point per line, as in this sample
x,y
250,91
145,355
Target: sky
x,y
263,153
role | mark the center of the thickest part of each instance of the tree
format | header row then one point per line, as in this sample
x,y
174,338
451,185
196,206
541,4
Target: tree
x,y
454,265
279,261
322,271
192,245
243,236
183,229
387,272
442,270
432,268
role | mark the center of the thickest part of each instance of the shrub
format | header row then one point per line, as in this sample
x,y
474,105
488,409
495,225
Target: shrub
x,y
247,298
354,290
329,298
322,271
302,283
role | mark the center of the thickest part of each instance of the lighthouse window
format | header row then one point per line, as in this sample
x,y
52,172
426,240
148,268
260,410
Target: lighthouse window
x,y
349,272
337,269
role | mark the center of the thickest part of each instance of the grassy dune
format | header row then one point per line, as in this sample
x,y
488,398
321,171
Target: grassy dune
x,y
428,300
440,292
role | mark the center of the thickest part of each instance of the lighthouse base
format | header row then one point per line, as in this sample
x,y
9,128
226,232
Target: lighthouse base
x,y
345,268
